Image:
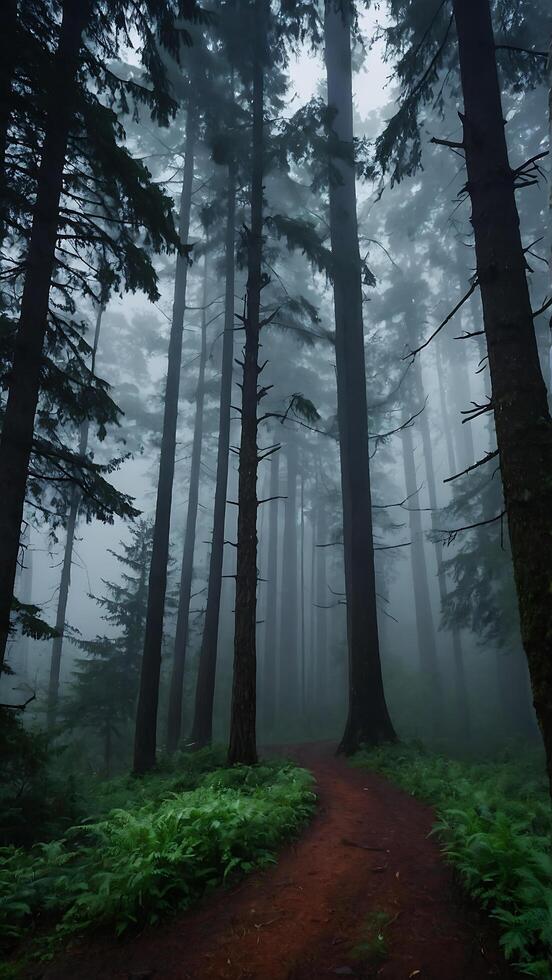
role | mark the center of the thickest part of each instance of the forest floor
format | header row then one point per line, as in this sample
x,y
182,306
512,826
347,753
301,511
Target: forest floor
x,y
364,893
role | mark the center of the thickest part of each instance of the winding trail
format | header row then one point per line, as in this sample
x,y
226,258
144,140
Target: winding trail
x,y
366,852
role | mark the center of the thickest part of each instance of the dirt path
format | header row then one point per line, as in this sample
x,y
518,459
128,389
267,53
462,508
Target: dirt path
x,y
365,858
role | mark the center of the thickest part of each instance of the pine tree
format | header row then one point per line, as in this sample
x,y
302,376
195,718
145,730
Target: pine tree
x,y
368,719
90,199
102,699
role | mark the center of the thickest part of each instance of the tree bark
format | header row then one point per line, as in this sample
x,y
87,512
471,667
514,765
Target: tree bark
x,y
322,599
202,728
368,718
243,747
65,581
289,700
145,739
519,397
9,45
302,650
18,425
425,627
176,692
271,644
460,685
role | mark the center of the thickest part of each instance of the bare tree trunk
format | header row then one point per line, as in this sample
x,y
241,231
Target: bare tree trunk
x,y
302,591
65,581
174,719
425,627
550,158
419,395
18,424
271,621
243,745
289,650
368,718
460,685
322,600
519,397
202,728
9,45
145,739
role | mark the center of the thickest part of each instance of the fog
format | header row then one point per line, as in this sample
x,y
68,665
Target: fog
x,y
437,590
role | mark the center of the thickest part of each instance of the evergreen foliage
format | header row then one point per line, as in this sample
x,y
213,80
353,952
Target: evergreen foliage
x,y
103,695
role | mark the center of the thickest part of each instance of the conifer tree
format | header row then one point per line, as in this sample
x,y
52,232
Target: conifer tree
x,y
368,718
102,698
89,198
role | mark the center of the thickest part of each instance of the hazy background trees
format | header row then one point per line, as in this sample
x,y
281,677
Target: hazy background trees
x,y
451,656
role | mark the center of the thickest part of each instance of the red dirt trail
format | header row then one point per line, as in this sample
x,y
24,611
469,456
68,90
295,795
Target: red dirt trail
x,y
367,851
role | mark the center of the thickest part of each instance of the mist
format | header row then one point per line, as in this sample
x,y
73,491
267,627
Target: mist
x,y
275,402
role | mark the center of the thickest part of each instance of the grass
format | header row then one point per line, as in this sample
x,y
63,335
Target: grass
x,y
159,848
494,821
373,945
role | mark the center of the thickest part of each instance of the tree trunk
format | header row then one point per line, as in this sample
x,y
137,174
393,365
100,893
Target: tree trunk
x,y
460,684
271,621
243,747
174,720
519,397
322,598
368,718
18,425
550,157
419,397
202,728
518,716
65,581
289,650
425,627
302,651
9,45
146,714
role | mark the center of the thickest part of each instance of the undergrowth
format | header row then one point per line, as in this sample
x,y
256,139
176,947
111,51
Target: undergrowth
x,y
158,851
495,824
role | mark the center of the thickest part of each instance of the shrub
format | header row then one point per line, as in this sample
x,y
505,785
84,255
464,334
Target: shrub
x,y
141,861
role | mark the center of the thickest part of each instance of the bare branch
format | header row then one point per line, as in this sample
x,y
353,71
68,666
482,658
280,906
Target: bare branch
x,y
452,532
480,462
19,707
449,317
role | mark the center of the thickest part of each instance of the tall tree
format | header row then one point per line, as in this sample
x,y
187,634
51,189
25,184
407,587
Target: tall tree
x,y
102,698
368,718
425,626
460,683
242,746
148,699
519,398
174,718
66,212
289,701
271,635
202,727
18,424
65,581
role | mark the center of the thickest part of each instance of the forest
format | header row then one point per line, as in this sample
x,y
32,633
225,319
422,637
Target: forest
x,y
275,489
